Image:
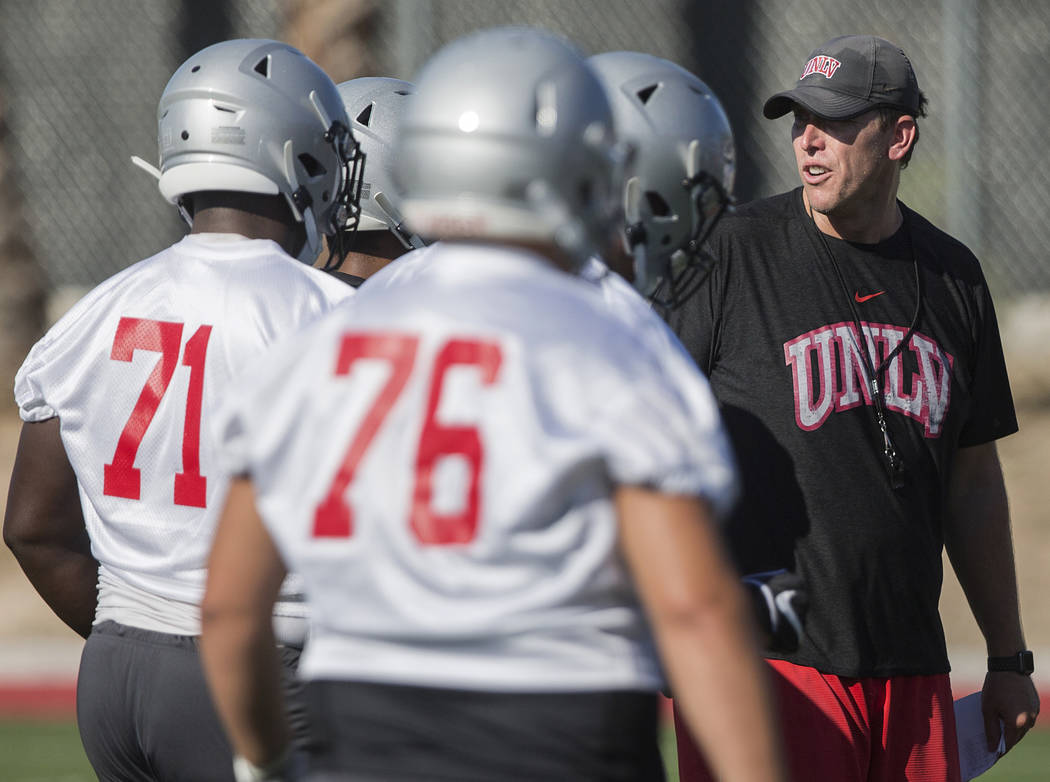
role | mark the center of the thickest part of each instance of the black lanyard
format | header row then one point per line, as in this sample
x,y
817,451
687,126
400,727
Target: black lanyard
x,y
895,466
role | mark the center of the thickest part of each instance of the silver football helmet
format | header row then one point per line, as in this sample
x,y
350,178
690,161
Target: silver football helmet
x,y
375,106
509,137
682,176
258,116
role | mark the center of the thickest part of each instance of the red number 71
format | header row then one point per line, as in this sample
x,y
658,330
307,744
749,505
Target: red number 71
x,y
120,477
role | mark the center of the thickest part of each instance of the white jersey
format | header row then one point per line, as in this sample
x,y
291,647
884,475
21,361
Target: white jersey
x,y
134,371
438,458
624,302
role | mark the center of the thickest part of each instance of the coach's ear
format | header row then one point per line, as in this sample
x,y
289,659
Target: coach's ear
x,y
904,133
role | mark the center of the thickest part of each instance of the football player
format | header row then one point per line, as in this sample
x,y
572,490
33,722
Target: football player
x,y
488,480
375,105
680,184
116,487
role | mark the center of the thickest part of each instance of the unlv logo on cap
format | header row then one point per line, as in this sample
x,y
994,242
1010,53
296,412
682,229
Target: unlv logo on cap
x,y
821,64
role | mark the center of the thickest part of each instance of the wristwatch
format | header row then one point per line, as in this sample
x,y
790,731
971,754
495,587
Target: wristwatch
x,y
1023,662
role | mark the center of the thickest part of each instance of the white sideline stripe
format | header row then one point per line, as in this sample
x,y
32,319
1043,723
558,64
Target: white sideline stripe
x,y
39,660
56,660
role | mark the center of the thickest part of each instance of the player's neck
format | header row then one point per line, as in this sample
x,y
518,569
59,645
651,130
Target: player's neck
x,y
372,250
557,256
363,265
248,214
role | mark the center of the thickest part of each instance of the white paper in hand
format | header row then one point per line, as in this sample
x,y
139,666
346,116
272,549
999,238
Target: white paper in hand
x,y
974,757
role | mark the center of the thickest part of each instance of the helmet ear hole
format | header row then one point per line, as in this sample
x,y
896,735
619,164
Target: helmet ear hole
x,y
263,67
365,117
658,207
586,192
312,165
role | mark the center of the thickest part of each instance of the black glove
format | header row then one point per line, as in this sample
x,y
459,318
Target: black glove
x,y
780,601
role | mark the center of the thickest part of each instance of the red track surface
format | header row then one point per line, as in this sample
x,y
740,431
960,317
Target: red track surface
x,y
39,700
55,699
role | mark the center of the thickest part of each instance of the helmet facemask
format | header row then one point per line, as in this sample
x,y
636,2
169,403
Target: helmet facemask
x,y
682,177
687,267
374,106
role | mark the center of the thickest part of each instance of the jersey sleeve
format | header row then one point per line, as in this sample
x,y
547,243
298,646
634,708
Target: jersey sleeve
x,y
30,386
663,431
698,463
992,412
49,373
231,433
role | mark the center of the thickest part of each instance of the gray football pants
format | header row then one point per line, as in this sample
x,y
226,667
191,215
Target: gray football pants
x,y
145,713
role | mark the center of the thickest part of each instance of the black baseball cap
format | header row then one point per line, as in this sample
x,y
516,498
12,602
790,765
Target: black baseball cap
x,y
849,75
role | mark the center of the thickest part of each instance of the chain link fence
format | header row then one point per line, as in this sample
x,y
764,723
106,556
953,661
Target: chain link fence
x,y
980,171
81,82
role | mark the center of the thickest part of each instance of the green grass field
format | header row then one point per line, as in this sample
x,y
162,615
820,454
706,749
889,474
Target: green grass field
x,y
1028,762
40,751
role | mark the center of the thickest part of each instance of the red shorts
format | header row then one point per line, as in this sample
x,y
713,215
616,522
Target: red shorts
x,y
854,730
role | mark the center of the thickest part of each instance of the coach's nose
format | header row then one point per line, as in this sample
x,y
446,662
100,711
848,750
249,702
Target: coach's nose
x,y
808,135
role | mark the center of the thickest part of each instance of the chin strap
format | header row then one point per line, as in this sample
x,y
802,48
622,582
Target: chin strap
x,y
155,172
635,237
146,166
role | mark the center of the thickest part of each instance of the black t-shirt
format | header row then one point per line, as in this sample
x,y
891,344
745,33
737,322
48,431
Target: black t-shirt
x,y
774,331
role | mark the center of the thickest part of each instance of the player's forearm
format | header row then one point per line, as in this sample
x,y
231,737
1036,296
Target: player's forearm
x,y
238,648
44,526
67,580
978,541
699,614
720,685
241,663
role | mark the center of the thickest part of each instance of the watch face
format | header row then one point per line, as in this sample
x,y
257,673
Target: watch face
x,y
1026,662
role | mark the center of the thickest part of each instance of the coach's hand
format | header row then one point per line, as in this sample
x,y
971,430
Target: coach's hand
x,y
780,601
1012,698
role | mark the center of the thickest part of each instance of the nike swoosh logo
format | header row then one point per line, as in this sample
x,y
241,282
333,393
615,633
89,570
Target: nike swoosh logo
x,y
787,610
861,299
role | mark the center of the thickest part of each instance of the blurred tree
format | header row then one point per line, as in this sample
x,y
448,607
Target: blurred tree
x,y
732,81
22,283
338,35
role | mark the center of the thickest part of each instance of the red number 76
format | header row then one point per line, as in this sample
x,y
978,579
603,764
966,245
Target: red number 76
x,y
333,517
